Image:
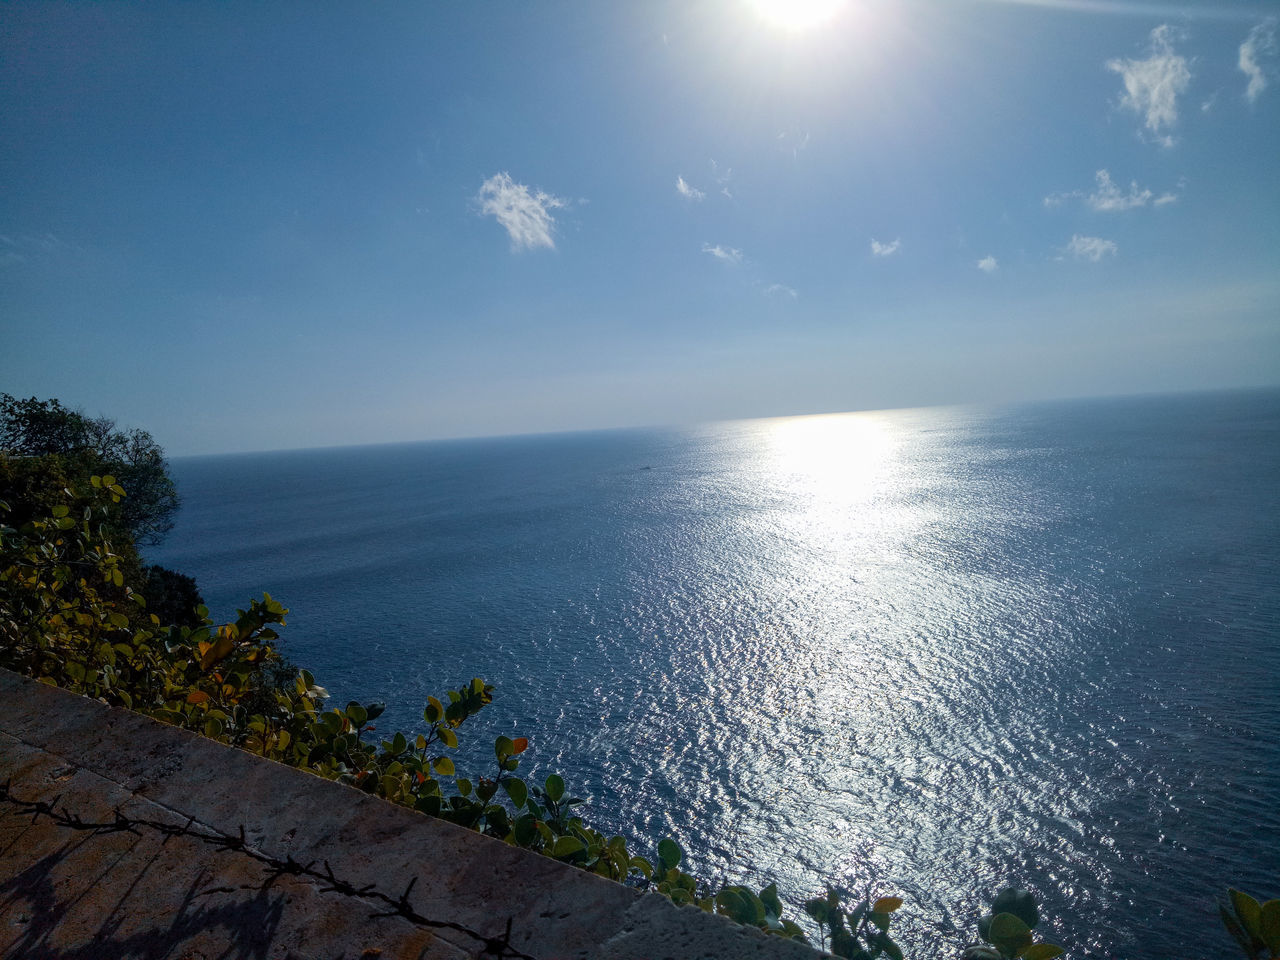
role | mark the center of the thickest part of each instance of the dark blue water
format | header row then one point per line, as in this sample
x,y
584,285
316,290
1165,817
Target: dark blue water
x,y
949,649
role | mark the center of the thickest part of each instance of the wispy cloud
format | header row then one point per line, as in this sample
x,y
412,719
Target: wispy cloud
x,y
726,254
1152,86
1092,249
988,264
1108,197
780,290
1258,46
879,249
24,248
723,176
524,213
692,193
794,142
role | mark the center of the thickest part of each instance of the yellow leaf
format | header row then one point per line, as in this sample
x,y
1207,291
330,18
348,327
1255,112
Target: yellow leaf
x,y
886,905
220,648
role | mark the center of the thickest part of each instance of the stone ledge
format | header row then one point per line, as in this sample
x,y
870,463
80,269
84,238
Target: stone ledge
x,y
76,894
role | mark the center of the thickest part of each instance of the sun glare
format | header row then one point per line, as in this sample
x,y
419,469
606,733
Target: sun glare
x,y
797,14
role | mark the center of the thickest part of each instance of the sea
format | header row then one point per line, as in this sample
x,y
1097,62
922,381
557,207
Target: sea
x,y
929,652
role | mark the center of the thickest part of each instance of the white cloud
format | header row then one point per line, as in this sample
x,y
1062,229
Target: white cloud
x,y
683,188
879,249
722,176
988,264
1092,249
1260,44
780,290
1152,86
1108,197
727,254
525,214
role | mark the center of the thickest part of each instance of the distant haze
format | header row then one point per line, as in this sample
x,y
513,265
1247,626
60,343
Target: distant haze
x,y
258,226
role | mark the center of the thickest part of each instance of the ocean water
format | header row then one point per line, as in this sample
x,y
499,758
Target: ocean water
x,y
941,650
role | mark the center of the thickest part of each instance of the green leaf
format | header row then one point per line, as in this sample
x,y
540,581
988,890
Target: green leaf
x,y
818,909
357,714
555,787
1249,911
741,904
61,510
1005,926
889,947
1271,925
1010,934
525,829
1042,951
769,897
1020,903
669,853
886,904
566,846
443,766
516,790
503,747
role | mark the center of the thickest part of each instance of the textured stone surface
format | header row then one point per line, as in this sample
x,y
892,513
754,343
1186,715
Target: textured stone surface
x,y
77,894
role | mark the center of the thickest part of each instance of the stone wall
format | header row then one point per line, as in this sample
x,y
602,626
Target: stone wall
x,y
122,837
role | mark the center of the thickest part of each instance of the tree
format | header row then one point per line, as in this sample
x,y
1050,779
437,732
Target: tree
x,y
40,428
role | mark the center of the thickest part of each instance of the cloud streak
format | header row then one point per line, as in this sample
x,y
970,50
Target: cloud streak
x,y
1108,197
1152,85
525,214
1092,249
1259,45
988,264
879,249
725,254
685,190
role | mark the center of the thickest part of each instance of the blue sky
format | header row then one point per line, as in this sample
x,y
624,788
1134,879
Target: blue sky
x,y
257,226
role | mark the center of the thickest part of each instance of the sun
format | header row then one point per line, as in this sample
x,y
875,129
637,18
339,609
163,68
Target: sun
x,y
797,14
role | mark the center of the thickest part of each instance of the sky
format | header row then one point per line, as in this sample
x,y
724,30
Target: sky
x,y
249,226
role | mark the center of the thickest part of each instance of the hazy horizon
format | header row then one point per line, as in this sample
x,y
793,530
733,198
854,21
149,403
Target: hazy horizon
x,y
248,227
698,424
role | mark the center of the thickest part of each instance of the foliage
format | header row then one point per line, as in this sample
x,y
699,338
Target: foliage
x,y
68,617
1254,926
44,428
1007,928
860,932
173,597
39,428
